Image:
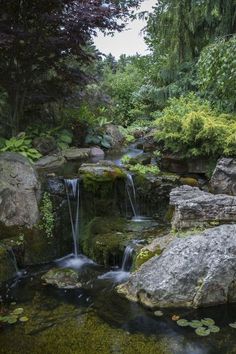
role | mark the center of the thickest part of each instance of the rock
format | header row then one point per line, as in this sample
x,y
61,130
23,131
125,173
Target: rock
x,y
63,278
117,137
153,193
45,145
156,247
101,171
19,191
50,162
197,271
149,141
73,153
97,152
68,278
7,269
177,164
56,186
194,208
189,181
223,179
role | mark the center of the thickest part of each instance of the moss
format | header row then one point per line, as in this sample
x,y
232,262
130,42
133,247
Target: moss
x,y
67,330
104,239
92,181
144,255
47,221
169,214
38,248
189,181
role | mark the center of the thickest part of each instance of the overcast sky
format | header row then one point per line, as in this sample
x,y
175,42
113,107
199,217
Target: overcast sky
x,y
130,41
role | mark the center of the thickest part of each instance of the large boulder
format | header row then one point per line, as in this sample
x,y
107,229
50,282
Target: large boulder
x,y
224,177
117,137
193,208
195,271
19,192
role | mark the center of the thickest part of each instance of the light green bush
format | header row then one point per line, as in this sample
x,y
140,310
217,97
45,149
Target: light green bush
x,y
191,128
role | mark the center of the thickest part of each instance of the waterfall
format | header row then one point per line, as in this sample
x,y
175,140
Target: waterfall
x,y
131,192
127,259
73,192
13,259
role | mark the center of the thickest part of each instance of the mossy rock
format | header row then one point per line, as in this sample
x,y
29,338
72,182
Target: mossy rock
x,y
104,240
64,278
39,248
144,255
189,181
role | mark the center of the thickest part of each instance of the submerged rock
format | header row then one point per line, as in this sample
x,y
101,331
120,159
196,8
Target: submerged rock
x,y
19,191
63,278
193,208
192,272
224,177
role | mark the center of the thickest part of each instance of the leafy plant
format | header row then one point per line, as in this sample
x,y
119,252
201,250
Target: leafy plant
x,y
202,327
144,170
47,222
97,137
21,144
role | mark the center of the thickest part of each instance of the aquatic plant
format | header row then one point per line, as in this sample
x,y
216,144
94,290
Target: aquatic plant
x,y
202,327
233,325
13,317
158,313
47,221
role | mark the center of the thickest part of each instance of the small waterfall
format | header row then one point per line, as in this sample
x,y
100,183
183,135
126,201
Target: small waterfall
x,y
13,259
131,192
127,259
73,192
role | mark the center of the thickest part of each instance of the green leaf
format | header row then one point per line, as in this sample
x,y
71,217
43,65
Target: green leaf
x,y
183,323
202,331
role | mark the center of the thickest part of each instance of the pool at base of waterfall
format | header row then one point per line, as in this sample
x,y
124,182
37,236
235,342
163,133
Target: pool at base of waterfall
x,y
95,319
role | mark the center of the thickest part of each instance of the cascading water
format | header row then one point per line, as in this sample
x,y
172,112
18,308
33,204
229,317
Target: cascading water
x,y
127,259
131,192
73,192
123,273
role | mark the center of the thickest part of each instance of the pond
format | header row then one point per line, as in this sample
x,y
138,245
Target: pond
x,y
94,319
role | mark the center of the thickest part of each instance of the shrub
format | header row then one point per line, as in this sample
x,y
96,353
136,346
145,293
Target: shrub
x,y
191,128
22,145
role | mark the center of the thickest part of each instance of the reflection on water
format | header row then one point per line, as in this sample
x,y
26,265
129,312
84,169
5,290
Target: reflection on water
x,y
94,319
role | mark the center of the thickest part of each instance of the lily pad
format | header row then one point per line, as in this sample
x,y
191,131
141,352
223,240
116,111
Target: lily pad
x,y
214,329
208,322
202,331
18,311
158,313
183,323
195,324
12,320
233,325
24,319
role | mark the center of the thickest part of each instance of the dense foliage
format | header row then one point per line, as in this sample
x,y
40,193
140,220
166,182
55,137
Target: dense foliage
x,y
191,128
45,48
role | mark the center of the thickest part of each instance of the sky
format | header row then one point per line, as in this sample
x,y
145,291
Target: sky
x,y
128,42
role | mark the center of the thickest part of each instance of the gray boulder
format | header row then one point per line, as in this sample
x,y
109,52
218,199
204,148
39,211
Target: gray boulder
x,y
117,137
45,145
193,208
223,179
19,191
196,271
